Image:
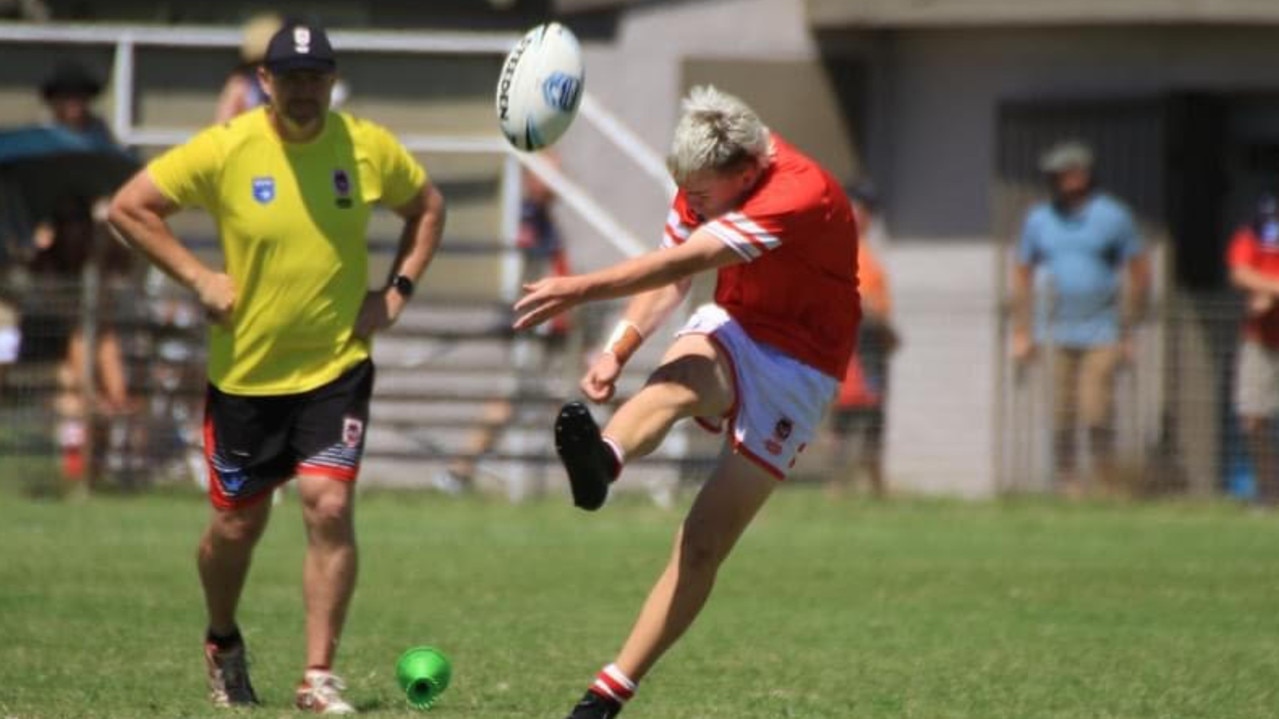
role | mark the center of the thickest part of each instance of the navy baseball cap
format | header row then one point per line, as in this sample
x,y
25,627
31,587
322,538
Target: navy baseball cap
x,y
298,46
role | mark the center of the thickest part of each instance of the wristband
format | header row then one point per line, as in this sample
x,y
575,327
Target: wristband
x,y
624,341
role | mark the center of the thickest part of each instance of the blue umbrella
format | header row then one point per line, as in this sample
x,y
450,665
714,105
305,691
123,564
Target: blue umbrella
x,y
45,163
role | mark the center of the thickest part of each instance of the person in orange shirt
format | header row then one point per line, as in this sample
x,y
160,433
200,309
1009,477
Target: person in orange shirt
x,y
1253,259
856,422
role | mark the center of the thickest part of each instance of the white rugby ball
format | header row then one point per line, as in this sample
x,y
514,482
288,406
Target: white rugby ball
x,y
540,87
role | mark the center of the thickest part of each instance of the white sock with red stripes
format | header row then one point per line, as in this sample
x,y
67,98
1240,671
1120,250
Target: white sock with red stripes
x,y
612,684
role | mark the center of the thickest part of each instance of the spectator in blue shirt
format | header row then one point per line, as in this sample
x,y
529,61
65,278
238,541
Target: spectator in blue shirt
x,y
1082,243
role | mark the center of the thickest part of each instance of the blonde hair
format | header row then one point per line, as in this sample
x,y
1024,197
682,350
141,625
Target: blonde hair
x,y
716,132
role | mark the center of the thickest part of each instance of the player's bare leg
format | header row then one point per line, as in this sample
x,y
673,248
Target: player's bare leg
x,y
225,552
691,381
724,507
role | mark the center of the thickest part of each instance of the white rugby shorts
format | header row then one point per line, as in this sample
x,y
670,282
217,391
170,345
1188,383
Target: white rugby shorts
x,y
779,400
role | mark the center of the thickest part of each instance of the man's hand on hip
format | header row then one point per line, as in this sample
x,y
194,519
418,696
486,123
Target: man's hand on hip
x,y
216,291
380,310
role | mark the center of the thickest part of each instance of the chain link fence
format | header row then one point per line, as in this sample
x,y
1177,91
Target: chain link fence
x,y
1174,426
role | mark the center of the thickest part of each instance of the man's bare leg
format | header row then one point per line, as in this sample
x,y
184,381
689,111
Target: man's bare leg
x,y
225,553
331,563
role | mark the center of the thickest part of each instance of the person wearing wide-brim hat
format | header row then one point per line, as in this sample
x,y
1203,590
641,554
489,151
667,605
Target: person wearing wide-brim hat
x,y
71,78
69,91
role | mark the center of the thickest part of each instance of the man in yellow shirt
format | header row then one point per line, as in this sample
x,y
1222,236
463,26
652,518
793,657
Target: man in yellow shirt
x,y
291,186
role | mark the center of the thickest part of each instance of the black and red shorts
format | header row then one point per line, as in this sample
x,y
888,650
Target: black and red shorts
x,y
253,443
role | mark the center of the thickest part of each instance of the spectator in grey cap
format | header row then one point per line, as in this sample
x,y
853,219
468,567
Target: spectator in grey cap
x,y
1084,242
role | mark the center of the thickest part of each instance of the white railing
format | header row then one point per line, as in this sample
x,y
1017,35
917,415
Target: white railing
x,y
127,38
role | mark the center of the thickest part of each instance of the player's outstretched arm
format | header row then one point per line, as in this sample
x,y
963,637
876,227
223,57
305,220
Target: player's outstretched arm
x,y
548,297
136,217
645,313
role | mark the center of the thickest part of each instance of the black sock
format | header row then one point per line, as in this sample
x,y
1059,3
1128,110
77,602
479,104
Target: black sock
x,y
224,642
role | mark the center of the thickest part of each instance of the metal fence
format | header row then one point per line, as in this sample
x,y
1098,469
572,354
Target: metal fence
x,y
1174,424
60,417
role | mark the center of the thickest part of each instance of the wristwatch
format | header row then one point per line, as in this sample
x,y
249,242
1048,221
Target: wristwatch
x,y
401,284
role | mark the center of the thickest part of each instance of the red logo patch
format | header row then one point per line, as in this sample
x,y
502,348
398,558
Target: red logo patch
x,y
352,431
783,429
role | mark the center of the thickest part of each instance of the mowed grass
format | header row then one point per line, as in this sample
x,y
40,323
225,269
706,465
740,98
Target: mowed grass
x,y
853,609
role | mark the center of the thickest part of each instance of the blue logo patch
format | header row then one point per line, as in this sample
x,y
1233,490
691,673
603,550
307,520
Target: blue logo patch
x,y
263,189
562,91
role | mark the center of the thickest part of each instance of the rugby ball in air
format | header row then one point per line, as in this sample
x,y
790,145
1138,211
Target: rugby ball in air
x,y
540,87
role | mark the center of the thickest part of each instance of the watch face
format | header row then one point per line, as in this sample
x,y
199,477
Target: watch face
x,y
403,285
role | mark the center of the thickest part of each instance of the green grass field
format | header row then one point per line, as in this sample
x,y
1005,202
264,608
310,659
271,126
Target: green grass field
x,y
905,609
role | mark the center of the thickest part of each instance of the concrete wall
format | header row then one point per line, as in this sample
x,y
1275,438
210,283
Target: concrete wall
x,y
941,89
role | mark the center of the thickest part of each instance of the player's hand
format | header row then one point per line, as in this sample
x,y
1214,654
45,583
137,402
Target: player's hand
x,y
599,382
1023,346
380,310
216,291
546,298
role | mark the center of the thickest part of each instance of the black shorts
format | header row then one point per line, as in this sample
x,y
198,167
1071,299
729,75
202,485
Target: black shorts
x,y
254,443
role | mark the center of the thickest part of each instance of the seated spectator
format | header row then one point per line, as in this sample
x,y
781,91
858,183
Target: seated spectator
x,y
66,245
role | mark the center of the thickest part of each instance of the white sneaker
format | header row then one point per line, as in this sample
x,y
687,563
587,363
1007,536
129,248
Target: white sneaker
x,y
448,482
320,692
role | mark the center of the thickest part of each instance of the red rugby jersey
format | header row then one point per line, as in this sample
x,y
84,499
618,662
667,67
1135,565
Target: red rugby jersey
x,y
797,290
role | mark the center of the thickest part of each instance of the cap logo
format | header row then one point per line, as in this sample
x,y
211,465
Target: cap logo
x,y
302,40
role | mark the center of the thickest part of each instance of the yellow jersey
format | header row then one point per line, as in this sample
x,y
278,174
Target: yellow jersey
x,y
291,219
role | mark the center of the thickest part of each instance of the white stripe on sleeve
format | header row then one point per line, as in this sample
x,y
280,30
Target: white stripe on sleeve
x,y
732,237
750,228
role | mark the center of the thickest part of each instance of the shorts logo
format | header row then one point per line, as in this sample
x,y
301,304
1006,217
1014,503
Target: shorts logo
x,y
264,189
352,431
232,479
342,187
781,433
